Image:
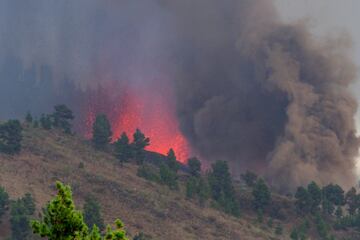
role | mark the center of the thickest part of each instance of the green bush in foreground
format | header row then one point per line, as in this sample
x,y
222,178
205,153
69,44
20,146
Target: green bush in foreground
x,y
61,221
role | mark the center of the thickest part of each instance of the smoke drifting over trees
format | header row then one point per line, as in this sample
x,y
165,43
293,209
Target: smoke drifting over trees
x,y
261,94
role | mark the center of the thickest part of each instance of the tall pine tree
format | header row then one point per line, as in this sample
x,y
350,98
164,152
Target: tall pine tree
x,y
101,132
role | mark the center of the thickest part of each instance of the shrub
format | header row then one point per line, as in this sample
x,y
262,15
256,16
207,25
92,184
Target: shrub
x,y
4,201
168,177
20,213
148,172
279,229
92,215
10,137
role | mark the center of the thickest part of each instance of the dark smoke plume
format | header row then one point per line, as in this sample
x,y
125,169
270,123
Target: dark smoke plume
x,y
265,95
249,89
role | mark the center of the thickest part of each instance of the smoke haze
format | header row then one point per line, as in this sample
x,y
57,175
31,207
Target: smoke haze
x,y
261,94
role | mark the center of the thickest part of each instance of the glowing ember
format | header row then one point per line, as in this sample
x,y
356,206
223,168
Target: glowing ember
x,y
150,111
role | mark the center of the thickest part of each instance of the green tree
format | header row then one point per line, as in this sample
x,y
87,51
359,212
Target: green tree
x,y
197,187
46,121
168,177
149,172
62,117
191,187
303,201
10,137
249,178
333,195
92,215
61,221
294,234
171,161
261,195
139,144
352,201
20,213
203,191
322,227
222,189
123,151
35,123
28,118
194,166
4,201
316,197
101,132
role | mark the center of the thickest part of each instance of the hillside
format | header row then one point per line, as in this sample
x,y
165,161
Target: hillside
x,y
144,206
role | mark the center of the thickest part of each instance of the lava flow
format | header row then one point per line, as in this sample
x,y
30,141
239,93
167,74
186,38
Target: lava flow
x,y
150,111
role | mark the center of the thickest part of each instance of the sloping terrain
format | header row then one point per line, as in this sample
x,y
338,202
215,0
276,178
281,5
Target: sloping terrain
x,y
48,156
144,206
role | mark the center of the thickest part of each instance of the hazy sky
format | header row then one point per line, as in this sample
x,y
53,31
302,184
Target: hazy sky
x,y
329,17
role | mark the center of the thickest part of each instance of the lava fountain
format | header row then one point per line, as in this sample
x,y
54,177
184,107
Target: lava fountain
x,y
129,107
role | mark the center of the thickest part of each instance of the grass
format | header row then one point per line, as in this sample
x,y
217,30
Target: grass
x,y
144,206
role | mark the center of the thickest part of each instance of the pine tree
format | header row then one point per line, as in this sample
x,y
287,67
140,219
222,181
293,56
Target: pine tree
x,y
261,194
28,118
61,221
171,161
316,197
123,151
62,117
194,166
352,201
101,132
10,137
46,121
222,189
303,201
139,144
249,178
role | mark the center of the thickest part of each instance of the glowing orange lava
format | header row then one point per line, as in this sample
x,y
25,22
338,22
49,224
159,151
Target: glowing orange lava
x,y
150,111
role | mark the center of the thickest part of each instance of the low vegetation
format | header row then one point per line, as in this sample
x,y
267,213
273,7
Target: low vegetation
x,y
314,212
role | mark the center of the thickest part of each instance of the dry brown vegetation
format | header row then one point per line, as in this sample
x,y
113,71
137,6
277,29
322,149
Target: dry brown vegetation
x,y
144,206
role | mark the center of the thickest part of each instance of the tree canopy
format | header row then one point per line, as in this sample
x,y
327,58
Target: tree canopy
x,y
61,221
102,132
10,137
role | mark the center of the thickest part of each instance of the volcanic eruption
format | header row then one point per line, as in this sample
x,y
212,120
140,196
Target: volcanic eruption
x,y
226,80
152,112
